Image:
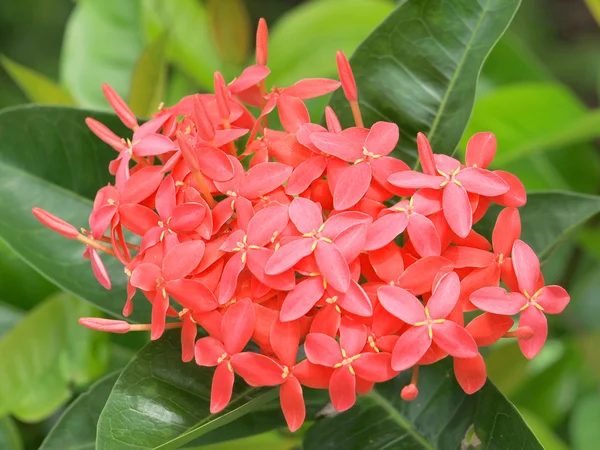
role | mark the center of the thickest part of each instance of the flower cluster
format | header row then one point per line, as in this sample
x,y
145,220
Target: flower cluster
x,y
310,236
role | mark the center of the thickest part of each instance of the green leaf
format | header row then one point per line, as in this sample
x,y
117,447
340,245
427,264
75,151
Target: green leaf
x,y
546,436
273,440
48,158
501,356
303,42
440,418
76,428
231,30
594,7
9,317
148,83
10,439
37,87
419,68
159,402
532,117
103,41
548,217
583,426
44,354
189,44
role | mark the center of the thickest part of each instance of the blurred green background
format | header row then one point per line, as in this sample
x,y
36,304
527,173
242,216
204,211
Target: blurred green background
x,y
538,92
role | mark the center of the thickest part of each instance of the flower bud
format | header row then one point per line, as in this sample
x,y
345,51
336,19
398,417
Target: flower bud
x,y
109,325
55,224
262,42
409,393
120,107
346,77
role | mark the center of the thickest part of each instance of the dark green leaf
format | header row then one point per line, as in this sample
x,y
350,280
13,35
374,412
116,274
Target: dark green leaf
x,y
541,429
9,435
44,354
148,83
548,217
9,316
189,44
102,43
37,87
48,158
161,402
419,68
303,42
76,428
438,419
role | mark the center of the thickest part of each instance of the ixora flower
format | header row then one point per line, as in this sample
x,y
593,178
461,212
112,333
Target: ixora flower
x,y
310,241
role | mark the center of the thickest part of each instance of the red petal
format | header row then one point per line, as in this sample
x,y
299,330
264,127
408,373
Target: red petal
x,y
142,184
351,186
410,348
554,299
284,338
488,328
326,321
382,138
160,305
401,304
469,257
292,403
250,77
534,318
188,339
332,265
353,336
302,299
482,182
426,155
145,276
356,301
215,164
313,375
414,180
454,340
385,229
137,218
445,296
288,255
165,198
182,259
187,217
257,260
237,326
257,370
264,178
338,223
526,265
337,145
418,277
153,144
457,209
208,351
229,278
424,236
470,373
496,300
506,231
306,215
516,196
303,175
292,113
99,270
342,389
481,150
120,107
265,223
192,294
387,262
376,367
312,87
222,388
322,349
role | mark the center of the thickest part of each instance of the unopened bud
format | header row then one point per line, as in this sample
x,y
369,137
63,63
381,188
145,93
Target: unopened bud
x,y
409,393
426,155
109,325
188,153
222,96
333,123
203,124
120,107
262,42
524,333
55,224
346,77
104,133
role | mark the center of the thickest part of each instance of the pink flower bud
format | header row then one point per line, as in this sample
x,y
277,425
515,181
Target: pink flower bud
x,y
409,393
346,77
203,124
55,224
104,133
333,123
426,155
188,153
222,95
109,325
524,333
262,42
120,107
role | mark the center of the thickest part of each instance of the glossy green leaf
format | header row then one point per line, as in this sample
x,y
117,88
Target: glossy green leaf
x,y
37,87
304,41
10,439
545,434
189,44
548,217
160,402
419,68
529,118
76,428
103,41
48,158
20,285
148,82
501,356
273,440
439,418
583,426
44,354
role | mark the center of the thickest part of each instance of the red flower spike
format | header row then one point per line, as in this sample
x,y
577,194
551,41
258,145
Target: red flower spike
x,y
429,323
120,107
533,300
100,324
346,77
55,224
262,42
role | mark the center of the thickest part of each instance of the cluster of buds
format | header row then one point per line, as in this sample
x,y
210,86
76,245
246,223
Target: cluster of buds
x,y
310,236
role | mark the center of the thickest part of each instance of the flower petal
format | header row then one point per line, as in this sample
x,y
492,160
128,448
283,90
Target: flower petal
x,y
376,367
208,351
534,318
418,277
444,297
214,163
265,223
385,229
481,149
353,336
292,403
182,259
145,276
187,217
313,375
257,370
302,299
137,218
410,348
284,338
306,215
192,294
342,389
153,144
506,231
496,300
356,301
99,270
488,328
288,255
229,278
303,175
424,236
292,113
482,182
414,180
351,186
264,178
337,145
382,138
312,87
237,326
454,340
526,265
222,388
554,299
332,265
516,196
322,349
462,256
457,209
470,373
401,304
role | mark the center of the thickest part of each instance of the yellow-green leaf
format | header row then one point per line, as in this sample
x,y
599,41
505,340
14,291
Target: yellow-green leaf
x,y
148,83
231,29
37,87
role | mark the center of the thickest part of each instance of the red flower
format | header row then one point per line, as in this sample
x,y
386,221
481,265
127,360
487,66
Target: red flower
x,y
532,301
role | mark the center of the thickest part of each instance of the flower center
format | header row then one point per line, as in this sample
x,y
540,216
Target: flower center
x,y
532,300
450,177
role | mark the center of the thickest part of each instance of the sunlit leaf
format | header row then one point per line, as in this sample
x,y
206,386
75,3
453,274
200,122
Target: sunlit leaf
x,y
148,82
